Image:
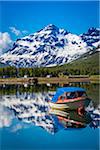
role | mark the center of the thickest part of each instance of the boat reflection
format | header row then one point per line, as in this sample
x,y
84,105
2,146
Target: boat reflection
x,y
36,111
71,119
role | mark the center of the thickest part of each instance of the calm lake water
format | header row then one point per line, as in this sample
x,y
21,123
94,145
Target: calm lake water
x,y
27,122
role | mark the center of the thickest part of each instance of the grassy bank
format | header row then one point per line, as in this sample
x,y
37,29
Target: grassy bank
x,y
95,79
43,80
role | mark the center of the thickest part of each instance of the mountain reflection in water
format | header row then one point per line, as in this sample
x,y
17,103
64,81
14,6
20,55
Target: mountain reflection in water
x,y
34,109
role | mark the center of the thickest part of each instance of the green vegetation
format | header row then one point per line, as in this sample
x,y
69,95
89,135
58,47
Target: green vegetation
x,y
84,66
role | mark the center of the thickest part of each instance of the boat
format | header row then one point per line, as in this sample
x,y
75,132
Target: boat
x,y
70,98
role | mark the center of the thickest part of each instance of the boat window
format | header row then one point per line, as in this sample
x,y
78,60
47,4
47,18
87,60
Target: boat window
x,y
81,94
62,97
71,95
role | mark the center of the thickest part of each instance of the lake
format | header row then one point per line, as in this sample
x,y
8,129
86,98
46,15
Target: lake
x,y
27,122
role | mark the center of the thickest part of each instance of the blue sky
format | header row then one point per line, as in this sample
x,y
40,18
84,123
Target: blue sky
x,y
28,17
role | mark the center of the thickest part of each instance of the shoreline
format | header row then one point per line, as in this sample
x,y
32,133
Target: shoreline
x,y
44,80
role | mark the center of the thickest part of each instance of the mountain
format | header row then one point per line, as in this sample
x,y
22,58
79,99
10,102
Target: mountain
x,y
87,64
92,37
51,46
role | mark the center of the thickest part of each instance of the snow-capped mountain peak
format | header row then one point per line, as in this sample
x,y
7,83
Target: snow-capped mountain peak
x,y
92,37
51,27
50,46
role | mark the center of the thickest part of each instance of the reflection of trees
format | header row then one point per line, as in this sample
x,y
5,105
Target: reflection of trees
x,y
92,89
12,89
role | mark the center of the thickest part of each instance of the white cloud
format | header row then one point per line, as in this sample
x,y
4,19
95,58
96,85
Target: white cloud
x,y
5,42
15,31
5,39
24,32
